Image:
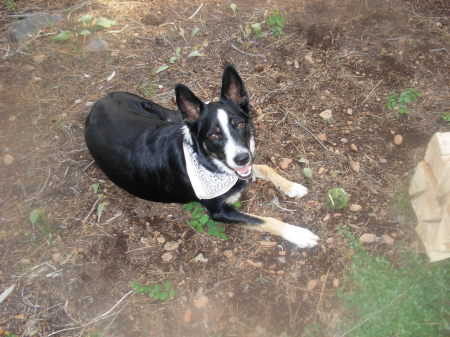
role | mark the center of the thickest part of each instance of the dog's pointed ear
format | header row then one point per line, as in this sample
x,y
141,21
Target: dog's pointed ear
x,y
190,106
233,88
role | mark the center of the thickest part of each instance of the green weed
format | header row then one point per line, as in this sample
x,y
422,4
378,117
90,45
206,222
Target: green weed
x,y
156,291
38,219
402,200
89,25
399,102
101,206
201,219
10,5
276,22
408,300
446,117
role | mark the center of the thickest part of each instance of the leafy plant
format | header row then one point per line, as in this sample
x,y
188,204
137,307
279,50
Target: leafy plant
x,y
410,299
399,102
337,198
89,26
156,291
38,219
101,206
201,219
233,8
276,22
10,5
446,117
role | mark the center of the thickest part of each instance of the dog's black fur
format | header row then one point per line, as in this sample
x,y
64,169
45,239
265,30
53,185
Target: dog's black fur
x,y
139,144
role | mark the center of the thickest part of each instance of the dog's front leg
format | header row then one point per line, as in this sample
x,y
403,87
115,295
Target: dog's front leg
x,y
301,237
289,188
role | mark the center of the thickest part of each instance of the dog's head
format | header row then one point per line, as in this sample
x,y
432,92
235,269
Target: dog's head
x,y
222,129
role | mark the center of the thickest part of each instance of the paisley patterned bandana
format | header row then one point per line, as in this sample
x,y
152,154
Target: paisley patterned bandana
x,y
206,184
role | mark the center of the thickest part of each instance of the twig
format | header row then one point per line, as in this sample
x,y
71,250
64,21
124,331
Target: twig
x,y
370,93
321,295
92,210
195,13
46,180
7,292
370,177
304,128
245,53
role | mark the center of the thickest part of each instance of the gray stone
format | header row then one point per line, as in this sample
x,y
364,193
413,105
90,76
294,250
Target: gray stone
x,y
96,44
23,29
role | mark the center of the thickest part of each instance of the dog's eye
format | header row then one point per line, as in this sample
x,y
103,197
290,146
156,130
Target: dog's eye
x,y
241,125
213,136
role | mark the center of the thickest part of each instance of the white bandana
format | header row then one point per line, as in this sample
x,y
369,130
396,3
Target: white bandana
x,y
206,184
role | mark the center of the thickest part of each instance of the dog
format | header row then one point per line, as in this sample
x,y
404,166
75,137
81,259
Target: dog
x,y
203,152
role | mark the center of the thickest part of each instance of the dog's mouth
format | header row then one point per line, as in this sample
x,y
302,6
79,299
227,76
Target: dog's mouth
x,y
244,172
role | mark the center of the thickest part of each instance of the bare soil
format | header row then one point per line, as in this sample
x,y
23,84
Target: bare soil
x,y
74,275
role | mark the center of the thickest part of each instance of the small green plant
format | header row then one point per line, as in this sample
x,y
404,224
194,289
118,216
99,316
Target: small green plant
x,y
201,219
446,117
233,8
11,5
88,26
38,219
409,299
101,206
402,200
276,22
156,291
337,198
399,102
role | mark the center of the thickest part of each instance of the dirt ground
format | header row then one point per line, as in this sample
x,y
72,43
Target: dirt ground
x,y
73,275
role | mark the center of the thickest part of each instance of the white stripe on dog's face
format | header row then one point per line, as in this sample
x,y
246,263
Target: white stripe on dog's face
x,y
231,148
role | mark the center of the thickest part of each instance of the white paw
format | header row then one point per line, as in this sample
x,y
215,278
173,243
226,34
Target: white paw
x,y
299,236
297,191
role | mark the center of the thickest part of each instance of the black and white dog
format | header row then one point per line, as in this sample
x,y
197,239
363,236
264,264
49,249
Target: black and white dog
x,y
203,152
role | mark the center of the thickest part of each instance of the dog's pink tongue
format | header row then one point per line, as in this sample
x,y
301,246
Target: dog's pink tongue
x,y
244,170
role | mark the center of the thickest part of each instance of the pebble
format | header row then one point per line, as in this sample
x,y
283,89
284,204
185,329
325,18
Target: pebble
x,y
383,161
285,162
321,171
39,58
387,239
161,239
349,122
326,114
229,254
344,140
347,132
349,111
398,139
201,302
187,316
311,284
280,272
8,159
326,218
353,147
322,137
12,118
355,166
268,244
171,245
330,241
367,238
167,257
336,283
355,208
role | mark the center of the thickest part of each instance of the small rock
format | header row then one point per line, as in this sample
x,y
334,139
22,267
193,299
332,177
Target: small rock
x,y
326,218
282,253
347,132
161,239
285,162
349,122
21,30
330,241
311,284
367,238
353,147
257,264
12,118
308,57
167,257
387,239
187,316
259,68
268,244
39,58
349,111
56,256
321,171
201,258
280,272
281,259
344,140
322,137
201,302
96,44
8,159
171,245
398,139
230,294
383,161
229,254
355,166
355,208
335,283
326,114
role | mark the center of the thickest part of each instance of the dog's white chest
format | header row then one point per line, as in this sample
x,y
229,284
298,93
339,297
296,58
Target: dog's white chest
x,y
206,184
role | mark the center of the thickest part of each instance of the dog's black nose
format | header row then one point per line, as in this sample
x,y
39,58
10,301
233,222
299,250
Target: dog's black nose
x,y
242,158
